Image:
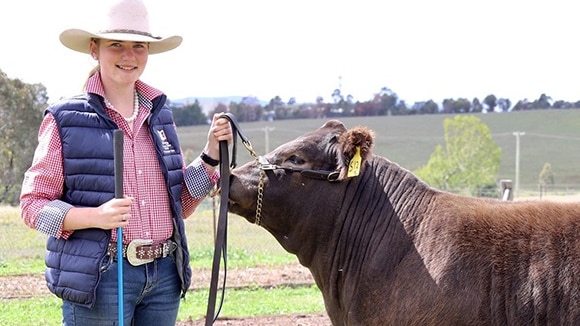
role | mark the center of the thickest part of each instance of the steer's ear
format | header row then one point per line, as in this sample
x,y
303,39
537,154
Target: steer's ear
x,y
355,149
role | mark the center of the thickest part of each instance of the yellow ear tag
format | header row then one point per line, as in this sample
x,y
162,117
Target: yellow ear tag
x,y
354,166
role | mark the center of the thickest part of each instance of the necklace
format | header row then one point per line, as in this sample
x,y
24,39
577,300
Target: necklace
x,y
135,108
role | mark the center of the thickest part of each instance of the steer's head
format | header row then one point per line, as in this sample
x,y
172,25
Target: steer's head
x,y
295,184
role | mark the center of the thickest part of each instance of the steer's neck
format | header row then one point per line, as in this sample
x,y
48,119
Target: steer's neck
x,y
407,194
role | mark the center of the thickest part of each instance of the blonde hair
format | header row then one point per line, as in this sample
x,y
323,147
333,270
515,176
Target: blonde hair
x,y
95,68
91,73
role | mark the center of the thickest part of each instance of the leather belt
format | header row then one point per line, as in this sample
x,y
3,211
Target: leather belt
x,y
142,251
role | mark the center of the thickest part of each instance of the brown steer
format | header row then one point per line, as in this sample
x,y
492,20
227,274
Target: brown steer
x,y
386,249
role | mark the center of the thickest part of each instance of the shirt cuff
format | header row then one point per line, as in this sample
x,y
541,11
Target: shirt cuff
x,y
197,179
51,217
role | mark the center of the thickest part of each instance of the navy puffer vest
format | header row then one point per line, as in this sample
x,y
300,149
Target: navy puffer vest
x,y
86,133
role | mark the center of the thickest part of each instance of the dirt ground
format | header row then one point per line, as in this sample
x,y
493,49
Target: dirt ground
x,y
26,286
278,320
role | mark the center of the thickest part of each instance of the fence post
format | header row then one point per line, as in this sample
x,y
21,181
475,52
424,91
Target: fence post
x,y
506,193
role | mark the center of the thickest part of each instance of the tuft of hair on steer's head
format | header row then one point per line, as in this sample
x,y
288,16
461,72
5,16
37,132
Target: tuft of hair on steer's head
x,y
356,147
330,148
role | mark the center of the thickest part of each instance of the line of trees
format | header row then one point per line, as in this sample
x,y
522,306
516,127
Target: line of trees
x,y
384,103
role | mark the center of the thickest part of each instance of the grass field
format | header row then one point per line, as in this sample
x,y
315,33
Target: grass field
x,y
22,253
551,136
22,249
46,310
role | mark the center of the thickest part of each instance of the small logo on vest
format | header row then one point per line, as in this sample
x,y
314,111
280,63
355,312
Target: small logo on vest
x,y
167,147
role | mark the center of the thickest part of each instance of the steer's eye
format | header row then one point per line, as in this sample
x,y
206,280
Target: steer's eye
x,y
295,160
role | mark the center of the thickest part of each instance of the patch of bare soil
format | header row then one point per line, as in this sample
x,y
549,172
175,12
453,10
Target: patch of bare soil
x,y
278,320
22,286
291,275
26,286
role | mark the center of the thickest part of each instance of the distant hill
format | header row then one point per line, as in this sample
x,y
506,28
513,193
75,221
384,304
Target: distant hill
x,y
551,136
209,103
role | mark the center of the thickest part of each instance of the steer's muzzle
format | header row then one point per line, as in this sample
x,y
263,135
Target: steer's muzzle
x,y
244,191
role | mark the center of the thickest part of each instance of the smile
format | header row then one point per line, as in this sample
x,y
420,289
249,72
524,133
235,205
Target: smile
x,y
127,67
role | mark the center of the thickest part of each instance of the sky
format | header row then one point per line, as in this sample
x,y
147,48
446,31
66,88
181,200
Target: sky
x,y
420,49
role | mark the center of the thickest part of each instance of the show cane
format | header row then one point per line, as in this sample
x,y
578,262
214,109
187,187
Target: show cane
x,y
118,160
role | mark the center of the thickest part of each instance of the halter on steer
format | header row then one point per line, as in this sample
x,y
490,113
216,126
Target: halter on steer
x,y
221,233
267,166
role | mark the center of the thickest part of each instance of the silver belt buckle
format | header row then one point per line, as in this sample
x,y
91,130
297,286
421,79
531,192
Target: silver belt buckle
x,y
132,251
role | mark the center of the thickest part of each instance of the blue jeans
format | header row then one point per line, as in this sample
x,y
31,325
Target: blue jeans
x,y
152,293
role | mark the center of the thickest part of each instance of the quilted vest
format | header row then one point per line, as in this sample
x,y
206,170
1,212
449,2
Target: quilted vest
x,y
86,133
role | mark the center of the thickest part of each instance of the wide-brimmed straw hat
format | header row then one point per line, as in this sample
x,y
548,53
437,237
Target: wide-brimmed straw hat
x,y
126,20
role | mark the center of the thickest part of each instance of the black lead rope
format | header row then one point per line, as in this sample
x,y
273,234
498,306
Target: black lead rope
x,y
221,235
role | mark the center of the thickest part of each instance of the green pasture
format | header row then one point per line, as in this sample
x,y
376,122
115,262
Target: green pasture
x,y
22,253
551,136
22,249
248,302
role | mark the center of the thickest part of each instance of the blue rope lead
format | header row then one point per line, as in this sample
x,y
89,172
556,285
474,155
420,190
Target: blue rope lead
x,y
118,170
120,274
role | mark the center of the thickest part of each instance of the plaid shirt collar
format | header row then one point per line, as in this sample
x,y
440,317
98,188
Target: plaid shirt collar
x,y
95,85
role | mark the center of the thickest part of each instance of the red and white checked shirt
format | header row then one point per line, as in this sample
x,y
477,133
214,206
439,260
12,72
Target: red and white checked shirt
x,y
151,217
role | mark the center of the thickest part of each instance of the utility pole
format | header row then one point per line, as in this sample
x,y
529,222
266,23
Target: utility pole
x,y
267,138
517,183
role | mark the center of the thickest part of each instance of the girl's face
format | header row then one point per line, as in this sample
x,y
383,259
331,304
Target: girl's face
x,y
121,62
